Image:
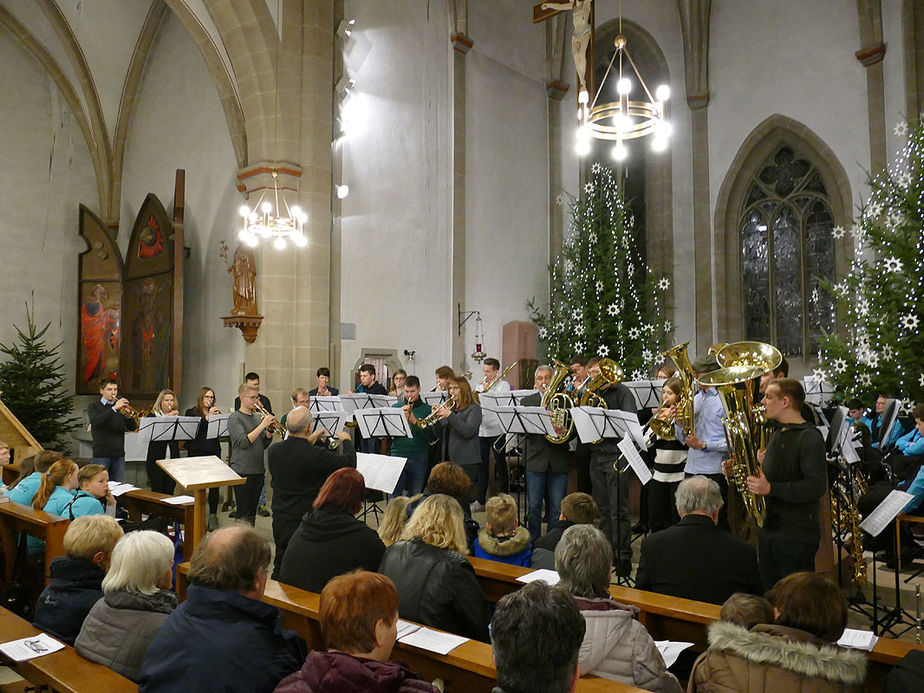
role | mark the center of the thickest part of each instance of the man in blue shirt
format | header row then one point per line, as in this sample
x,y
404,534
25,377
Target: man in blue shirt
x,y
708,445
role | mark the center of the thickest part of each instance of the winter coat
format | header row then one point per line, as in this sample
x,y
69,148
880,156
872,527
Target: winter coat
x,y
326,544
75,586
617,647
26,489
437,587
120,626
514,549
772,658
220,642
338,672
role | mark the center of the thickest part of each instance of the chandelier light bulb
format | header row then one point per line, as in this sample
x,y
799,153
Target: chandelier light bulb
x,y
280,243
663,92
622,122
244,236
302,217
663,129
619,151
583,97
623,86
582,147
659,144
342,191
296,211
251,240
300,240
266,207
244,211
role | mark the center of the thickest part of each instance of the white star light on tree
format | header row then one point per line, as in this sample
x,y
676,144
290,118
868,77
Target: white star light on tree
x,y
819,374
893,264
664,284
896,219
588,188
603,350
838,231
543,333
579,347
612,310
599,286
634,333
561,325
872,359
638,374
579,329
838,365
903,179
647,355
901,129
874,209
910,322
592,237
886,352
596,168
857,232
667,326
865,380
816,295
921,380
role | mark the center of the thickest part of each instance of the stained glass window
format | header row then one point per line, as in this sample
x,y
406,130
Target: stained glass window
x,y
786,247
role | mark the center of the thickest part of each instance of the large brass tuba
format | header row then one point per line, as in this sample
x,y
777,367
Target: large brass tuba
x,y
664,428
558,402
759,355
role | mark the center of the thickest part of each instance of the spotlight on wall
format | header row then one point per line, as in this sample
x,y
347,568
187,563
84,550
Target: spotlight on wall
x,y
345,28
342,191
409,354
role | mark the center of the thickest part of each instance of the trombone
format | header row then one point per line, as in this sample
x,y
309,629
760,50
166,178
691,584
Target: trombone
x,y
489,385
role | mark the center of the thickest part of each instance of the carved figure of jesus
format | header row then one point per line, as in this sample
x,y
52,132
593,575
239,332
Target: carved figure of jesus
x,y
244,270
580,39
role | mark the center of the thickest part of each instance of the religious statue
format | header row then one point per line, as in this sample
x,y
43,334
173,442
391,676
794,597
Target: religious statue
x,y
243,268
580,39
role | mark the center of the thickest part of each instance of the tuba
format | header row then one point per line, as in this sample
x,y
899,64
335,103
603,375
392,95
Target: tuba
x,y
664,428
757,354
558,402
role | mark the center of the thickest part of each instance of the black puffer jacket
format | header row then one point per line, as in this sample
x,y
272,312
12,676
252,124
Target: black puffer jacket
x,y
75,586
437,587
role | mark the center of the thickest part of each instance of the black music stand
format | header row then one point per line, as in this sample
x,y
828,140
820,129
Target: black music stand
x,y
380,473
521,422
217,426
381,422
320,404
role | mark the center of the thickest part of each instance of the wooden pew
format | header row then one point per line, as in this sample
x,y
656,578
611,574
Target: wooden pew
x,y
64,671
143,502
9,473
673,618
23,518
469,667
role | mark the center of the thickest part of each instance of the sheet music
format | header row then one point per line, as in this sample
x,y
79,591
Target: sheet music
x,y
858,639
817,391
218,426
332,421
31,647
586,424
380,472
433,640
531,420
518,395
432,398
647,393
492,401
365,400
670,650
549,577
843,433
885,512
382,422
635,461
319,404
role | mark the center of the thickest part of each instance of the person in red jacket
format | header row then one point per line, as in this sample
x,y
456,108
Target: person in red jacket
x,y
359,620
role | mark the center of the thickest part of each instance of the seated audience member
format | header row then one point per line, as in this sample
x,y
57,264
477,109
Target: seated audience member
x,y
298,468
450,480
615,645
358,615
26,469
223,638
576,509
795,653
503,539
24,488
330,540
92,495
136,602
436,585
695,559
394,520
57,488
910,446
536,633
75,583
855,415
746,610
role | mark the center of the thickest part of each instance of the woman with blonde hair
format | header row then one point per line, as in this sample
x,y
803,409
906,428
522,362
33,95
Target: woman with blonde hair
x,y
394,520
164,405
136,602
436,584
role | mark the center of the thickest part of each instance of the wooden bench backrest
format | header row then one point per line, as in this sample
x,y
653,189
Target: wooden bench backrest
x,y
65,670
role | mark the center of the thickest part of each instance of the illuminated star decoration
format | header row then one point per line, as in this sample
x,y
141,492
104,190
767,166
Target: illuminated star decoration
x,y
612,309
603,350
578,347
838,365
893,264
910,322
588,188
874,209
838,231
634,333
819,375
901,129
664,284
579,329
638,374
599,286
543,333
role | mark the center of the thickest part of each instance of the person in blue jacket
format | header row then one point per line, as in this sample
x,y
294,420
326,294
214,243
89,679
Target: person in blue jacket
x,y
24,490
56,488
93,496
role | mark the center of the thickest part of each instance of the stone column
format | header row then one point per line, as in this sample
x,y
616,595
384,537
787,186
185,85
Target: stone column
x,y
555,90
461,44
913,57
872,51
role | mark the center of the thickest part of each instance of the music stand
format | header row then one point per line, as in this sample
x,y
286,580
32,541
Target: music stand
x,y
520,395
522,421
380,473
319,404
817,391
647,393
331,421
197,475
436,397
218,426
161,429
383,422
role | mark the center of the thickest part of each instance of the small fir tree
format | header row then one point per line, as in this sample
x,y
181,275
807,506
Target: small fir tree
x,y
604,299
882,297
31,380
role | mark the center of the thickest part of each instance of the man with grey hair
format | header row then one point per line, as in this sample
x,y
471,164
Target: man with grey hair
x,y
615,646
546,467
223,638
298,468
695,558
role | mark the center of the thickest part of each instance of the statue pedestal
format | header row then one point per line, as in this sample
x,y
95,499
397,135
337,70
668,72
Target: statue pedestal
x,y
247,324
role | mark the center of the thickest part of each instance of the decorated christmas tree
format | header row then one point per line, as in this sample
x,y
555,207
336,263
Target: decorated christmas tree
x,y
32,380
604,299
882,298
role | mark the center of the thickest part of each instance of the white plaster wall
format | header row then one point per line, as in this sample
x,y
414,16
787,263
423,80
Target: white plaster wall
x,y
179,123
396,159
896,104
46,173
507,225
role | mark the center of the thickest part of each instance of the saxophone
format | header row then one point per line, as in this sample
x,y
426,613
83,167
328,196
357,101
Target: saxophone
x,y
844,512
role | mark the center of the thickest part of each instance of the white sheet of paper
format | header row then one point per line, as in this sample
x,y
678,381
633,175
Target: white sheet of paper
x,y
647,393
885,512
382,422
406,628
858,639
117,488
178,500
432,398
380,472
332,421
850,453
549,577
586,429
670,650
635,460
329,403
29,648
433,640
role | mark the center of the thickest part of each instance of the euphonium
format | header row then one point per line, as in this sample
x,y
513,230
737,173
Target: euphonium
x,y
664,428
431,418
610,374
558,403
736,386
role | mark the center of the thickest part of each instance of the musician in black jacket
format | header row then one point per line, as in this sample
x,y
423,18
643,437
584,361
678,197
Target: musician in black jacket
x,y
108,424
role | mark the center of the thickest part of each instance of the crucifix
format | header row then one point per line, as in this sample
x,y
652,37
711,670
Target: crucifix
x,y
582,38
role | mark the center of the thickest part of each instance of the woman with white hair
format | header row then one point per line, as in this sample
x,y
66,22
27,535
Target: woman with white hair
x,y
615,645
136,602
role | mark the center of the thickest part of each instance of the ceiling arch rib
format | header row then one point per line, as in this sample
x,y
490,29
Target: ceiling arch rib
x,y
95,115
41,53
227,93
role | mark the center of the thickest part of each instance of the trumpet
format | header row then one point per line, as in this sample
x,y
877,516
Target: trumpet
x,y
274,427
432,418
136,416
